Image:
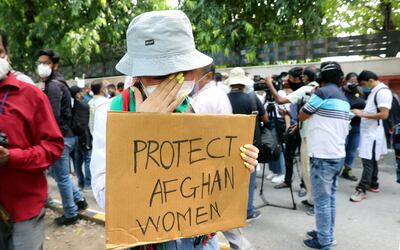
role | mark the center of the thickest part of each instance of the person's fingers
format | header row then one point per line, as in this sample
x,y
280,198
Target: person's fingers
x,y
249,160
176,103
251,148
171,80
249,153
249,167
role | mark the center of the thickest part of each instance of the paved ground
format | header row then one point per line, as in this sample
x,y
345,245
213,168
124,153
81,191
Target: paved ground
x,y
373,224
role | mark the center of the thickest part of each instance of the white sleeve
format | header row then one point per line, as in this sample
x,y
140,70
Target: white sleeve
x,y
384,99
98,160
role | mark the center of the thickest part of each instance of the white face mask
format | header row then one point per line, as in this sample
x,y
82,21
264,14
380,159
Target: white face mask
x,y
44,70
4,68
187,87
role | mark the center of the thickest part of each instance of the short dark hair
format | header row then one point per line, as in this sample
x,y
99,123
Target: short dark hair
x,y
111,86
4,40
331,72
311,73
350,75
218,77
75,90
366,75
96,86
296,71
120,85
54,57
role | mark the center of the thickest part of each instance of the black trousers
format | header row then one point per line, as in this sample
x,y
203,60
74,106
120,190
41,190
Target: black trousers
x,y
293,142
369,176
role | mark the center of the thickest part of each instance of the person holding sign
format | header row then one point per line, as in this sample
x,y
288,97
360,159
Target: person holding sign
x,y
165,65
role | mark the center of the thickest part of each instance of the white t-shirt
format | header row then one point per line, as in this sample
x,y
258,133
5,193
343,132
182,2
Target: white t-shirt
x,y
369,129
212,100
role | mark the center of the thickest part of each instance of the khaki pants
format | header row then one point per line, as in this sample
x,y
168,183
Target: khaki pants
x,y
305,169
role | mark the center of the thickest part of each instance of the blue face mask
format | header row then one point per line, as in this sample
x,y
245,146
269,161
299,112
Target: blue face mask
x,y
352,86
366,90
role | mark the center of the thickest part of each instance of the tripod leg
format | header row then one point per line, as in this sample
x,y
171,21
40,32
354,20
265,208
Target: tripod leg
x,y
291,193
262,180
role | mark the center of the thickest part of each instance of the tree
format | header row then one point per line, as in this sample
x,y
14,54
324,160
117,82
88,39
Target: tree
x,y
80,30
241,26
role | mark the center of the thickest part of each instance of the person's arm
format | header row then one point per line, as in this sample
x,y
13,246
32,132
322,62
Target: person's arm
x,y
278,99
316,100
384,100
48,142
286,117
261,111
54,94
98,160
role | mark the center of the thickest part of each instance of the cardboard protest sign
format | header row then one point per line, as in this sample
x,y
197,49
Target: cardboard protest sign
x,y
173,176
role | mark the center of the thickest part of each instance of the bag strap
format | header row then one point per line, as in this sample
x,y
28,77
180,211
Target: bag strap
x,y
376,102
254,109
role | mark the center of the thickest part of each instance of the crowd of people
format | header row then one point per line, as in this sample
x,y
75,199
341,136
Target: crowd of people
x,y
315,106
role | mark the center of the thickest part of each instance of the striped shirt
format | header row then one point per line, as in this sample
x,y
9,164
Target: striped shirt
x,y
329,123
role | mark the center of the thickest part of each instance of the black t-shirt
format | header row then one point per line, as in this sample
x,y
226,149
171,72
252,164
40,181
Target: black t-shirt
x,y
241,104
356,99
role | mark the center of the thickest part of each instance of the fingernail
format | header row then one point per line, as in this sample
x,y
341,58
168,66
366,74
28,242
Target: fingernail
x,y
180,81
179,76
171,76
183,95
242,155
247,145
243,149
247,165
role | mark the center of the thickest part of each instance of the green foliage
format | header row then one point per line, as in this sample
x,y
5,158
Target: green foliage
x,y
80,30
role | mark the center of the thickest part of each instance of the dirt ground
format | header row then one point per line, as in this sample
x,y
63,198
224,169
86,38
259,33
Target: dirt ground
x,y
84,235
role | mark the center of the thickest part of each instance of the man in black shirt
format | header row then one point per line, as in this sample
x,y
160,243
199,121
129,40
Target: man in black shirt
x,y
59,96
242,103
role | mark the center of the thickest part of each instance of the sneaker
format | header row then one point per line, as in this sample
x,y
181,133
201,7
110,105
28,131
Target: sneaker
x,y
82,204
255,216
374,190
270,176
62,221
282,185
314,235
278,179
314,244
302,192
310,211
358,196
306,203
348,174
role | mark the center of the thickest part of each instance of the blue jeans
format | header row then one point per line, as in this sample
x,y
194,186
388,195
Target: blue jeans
x,y
83,156
352,143
60,172
324,181
252,187
278,166
398,171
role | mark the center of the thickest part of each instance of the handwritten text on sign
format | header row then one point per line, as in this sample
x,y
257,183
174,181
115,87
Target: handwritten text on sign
x,y
172,176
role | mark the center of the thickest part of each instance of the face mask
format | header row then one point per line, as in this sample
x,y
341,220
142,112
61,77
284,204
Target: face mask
x,y
44,70
187,87
295,86
351,86
366,90
4,68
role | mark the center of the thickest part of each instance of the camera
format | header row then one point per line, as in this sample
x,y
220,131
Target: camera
x,y
3,140
277,81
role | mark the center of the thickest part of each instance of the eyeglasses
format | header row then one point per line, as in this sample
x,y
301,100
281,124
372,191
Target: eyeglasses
x,y
45,63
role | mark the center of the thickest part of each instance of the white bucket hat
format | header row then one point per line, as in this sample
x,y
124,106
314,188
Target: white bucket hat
x,y
160,43
237,76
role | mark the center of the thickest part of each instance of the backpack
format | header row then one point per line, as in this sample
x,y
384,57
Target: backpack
x,y
394,114
264,139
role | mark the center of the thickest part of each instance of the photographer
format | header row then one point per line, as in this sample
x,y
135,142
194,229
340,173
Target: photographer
x,y
30,142
299,97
